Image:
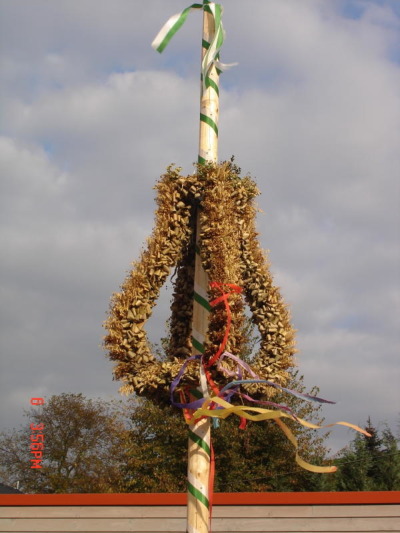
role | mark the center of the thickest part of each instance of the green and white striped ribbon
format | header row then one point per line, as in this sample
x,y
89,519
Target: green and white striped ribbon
x,y
172,25
201,437
175,22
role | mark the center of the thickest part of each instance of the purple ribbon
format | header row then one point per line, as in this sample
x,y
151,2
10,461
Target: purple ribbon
x,y
227,393
191,405
256,379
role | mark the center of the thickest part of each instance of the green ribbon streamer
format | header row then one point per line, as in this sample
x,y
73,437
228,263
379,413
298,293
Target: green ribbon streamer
x,y
175,22
172,25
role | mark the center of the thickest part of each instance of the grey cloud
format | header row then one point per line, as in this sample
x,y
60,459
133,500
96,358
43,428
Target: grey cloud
x,y
92,116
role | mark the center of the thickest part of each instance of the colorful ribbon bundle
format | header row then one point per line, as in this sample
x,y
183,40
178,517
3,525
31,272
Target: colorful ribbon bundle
x,y
220,405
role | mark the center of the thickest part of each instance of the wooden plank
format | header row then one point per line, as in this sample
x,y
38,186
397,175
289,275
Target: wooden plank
x,y
307,498
94,499
93,512
222,511
220,498
249,525
360,525
356,510
328,511
107,525
322,511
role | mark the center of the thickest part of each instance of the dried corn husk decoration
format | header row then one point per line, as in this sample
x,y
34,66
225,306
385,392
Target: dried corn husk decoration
x,y
230,253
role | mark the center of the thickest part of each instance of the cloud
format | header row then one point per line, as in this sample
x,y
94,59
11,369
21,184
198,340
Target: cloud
x,y
48,46
91,118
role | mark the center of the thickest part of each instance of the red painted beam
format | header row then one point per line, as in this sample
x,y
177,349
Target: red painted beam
x,y
221,498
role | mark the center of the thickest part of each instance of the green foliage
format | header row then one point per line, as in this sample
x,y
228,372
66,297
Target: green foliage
x,y
259,458
99,446
368,463
157,449
136,446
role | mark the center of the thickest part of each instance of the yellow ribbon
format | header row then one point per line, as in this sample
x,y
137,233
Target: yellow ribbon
x,y
244,411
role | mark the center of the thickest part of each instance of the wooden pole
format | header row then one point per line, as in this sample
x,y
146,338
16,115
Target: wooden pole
x,y
198,512
209,101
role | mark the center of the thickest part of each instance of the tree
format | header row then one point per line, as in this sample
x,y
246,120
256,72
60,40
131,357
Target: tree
x,y
83,447
368,463
136,446
260,458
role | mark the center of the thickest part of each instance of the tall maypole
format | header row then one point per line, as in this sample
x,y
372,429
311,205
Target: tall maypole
x,y
199,444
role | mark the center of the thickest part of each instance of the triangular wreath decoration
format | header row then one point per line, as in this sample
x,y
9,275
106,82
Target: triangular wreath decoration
x,y
230,254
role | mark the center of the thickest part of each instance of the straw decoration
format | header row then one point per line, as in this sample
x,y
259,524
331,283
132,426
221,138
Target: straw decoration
x,y
230,254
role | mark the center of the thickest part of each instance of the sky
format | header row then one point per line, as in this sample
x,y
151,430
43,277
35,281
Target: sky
x,y
92,116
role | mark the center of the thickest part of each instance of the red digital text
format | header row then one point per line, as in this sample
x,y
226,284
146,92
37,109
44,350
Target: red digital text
x,y
37,439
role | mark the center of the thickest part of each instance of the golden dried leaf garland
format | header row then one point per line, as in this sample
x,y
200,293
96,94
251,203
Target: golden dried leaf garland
x,y
230,254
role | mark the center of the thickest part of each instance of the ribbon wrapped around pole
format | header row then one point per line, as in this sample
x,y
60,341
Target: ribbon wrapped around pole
x,y
199,446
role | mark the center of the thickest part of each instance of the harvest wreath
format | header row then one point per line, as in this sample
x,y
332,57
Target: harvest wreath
x,y
231,256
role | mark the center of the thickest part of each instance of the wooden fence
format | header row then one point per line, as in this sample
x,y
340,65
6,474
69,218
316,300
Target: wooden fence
x,y
361,512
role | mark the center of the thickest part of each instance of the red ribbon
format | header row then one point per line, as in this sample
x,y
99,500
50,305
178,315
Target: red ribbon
x,y
187,413
232,289
211,381
223,298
